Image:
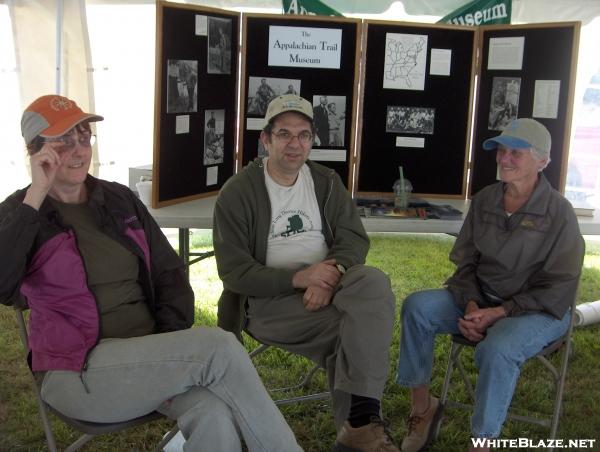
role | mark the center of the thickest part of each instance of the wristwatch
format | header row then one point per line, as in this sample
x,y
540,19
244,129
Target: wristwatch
x,y
341,269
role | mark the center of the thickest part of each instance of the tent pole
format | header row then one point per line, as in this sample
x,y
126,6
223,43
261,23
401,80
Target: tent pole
x,y
59,27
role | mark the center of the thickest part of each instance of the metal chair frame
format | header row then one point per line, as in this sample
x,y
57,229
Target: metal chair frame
x,y
303,384
89,430
559,375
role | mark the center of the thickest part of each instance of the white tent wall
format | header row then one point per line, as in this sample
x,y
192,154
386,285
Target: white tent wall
x,y
51,58
122,49
47,58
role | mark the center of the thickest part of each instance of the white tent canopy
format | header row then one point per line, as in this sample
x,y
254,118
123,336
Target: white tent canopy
x,y
101,52
523,11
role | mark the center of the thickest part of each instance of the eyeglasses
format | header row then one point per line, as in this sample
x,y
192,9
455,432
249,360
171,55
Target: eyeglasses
x,y
513,152
304,137
70,139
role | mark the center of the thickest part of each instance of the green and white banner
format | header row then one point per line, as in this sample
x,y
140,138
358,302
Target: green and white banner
x,y
480,12
308,7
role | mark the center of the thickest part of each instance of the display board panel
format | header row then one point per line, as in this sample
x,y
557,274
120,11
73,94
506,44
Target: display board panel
x,y
417,97
195,102
314,57
416,107
526,71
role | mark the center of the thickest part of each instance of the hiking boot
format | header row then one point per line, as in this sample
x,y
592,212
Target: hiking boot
x,y
421,428
373,437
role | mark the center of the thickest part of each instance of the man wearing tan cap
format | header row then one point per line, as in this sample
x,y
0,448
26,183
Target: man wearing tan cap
x,y
290,250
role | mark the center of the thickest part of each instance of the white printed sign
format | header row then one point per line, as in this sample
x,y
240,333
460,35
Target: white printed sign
x,y
328,155
410,142
305,47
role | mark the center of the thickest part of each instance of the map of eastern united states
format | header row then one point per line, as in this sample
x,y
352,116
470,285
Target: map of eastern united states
x,y
401,59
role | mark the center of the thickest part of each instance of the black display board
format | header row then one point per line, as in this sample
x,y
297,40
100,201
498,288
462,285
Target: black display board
x,y
312,83
196,81
549,54
435,119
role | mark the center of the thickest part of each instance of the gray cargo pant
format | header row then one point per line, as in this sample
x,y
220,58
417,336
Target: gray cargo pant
x,y
350,338
202,377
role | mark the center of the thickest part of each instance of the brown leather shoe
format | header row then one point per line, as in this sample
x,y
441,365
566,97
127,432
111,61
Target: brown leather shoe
x,y
421,428
373,437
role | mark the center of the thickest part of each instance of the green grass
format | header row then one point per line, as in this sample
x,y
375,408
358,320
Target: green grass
x,y
413,262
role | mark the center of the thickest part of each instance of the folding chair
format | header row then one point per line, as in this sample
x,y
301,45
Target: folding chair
x,y
88,429
303,384
559,375
230,317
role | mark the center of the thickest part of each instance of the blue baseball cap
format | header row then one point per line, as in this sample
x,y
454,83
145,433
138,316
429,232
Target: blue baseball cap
x,y
522,133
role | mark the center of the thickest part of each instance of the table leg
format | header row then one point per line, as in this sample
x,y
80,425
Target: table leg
x,y
184,247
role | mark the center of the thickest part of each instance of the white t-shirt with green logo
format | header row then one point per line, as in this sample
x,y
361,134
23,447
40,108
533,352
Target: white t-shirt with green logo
x,y
295,235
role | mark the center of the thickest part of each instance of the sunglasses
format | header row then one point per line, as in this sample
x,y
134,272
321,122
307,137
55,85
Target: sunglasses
x,y
68,141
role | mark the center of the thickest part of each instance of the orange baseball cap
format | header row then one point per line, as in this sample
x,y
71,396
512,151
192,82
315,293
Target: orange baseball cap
x,y
52,116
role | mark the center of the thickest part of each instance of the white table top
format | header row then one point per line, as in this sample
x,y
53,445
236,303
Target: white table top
x,y
198,214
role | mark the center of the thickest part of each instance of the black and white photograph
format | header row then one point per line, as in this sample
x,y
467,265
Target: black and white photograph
x,y
410,120
214,141
182,87
219,46
330,120
504,102
261,150
262,89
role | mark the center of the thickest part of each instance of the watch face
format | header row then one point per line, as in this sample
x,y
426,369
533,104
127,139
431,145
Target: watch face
x,y
341,268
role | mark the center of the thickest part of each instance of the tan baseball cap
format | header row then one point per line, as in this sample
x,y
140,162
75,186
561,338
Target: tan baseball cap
x,y
522,133
288,102
52,116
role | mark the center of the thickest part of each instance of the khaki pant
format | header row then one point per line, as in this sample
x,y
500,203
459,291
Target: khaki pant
x,y
350,338
202,377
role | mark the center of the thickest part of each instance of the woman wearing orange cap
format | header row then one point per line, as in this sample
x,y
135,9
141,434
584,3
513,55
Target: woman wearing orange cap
x,y
111,307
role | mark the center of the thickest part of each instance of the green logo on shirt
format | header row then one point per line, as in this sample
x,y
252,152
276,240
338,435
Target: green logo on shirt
x,y
294,227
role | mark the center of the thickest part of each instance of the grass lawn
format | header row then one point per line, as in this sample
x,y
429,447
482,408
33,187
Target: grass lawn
x,y
413,262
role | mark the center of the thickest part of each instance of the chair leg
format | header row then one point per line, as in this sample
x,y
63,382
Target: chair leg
x,y
258,350
548,365
168,437
306,398
561,386
453,356
80,442
41,404
45,422
303,384
466,381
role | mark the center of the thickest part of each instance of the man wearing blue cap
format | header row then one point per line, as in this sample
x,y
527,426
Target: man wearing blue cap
x,y
518,260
